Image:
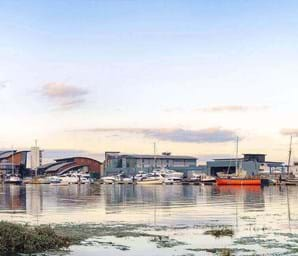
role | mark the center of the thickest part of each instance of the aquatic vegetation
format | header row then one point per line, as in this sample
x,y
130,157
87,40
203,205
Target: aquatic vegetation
x,y
18,238
166,242
220,232
217,251
81,232
93,242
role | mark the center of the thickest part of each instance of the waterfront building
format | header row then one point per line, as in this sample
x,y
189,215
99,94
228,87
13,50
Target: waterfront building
x,y
13,161
253,164
134,163
65,165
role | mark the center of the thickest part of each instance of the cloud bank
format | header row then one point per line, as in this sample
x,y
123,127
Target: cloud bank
x,y
212,135
232,108
63,95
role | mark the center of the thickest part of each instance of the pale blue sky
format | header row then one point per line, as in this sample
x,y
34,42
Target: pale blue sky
x,y
192,65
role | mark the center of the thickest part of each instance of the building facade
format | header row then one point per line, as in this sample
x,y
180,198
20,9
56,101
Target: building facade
x,y
13,162
134,163
253,164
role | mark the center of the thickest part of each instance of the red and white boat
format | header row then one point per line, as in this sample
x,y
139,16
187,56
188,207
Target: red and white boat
x,y
239,178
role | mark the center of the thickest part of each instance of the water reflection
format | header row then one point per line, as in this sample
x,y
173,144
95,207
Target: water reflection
x,y
165,205
13,198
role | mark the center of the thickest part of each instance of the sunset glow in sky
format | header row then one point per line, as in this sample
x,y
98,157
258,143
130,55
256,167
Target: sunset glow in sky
x,y
122,74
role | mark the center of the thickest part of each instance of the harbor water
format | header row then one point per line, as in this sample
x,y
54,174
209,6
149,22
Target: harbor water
x,y
263,221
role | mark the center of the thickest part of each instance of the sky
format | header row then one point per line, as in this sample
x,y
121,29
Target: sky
x,y
96,75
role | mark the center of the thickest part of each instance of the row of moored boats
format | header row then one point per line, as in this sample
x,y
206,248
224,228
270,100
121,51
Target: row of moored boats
x,y
161,176
66,179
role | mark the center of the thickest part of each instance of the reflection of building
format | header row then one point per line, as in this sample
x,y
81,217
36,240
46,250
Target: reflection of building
x,y
13,161
13,198
61,166
251,163
132,163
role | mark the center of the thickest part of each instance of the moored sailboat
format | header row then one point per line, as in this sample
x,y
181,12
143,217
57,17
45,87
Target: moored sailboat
x,y
240,177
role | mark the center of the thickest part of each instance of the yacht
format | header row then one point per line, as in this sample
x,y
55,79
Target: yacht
x,y
54,179
108,179
12,179
171,177
152,179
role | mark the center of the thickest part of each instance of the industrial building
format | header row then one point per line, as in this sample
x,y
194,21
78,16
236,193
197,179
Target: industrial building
x,y
62,166
134,163
253,164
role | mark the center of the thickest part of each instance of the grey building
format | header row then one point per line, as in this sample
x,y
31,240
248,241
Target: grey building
x,y
251,163
133,163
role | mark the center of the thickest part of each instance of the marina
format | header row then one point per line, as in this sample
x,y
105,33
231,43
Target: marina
x,y
262,220
148,128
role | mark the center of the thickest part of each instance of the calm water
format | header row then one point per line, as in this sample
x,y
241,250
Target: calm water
x,y
265,220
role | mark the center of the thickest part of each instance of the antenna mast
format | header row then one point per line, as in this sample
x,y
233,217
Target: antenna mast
x,y
290,154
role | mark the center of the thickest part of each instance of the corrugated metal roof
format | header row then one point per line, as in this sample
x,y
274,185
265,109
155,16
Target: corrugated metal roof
x,y
56,167
6,154
44,166
70,168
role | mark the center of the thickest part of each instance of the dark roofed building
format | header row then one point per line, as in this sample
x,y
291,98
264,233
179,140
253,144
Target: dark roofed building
x,y
13,161
61,166
251,163
133,163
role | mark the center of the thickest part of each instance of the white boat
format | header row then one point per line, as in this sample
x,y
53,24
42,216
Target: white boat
x,y
13,179
54,179
170,179
152,179
38,180
69,179
108,179
86,178
141,175
206,179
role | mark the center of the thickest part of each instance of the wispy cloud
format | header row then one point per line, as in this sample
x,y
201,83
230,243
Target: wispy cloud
x,y
3,84
211,135
289,131
232,108
63,95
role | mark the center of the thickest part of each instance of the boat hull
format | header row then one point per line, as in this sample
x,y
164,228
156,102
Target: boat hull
x,y
242,182
13,182
150,182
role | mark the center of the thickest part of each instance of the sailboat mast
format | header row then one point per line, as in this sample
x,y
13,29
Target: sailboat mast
x,y
290,154
12,164
36,157
236,163
154,155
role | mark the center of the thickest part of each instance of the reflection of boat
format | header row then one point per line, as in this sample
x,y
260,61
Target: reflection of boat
x,y
152,179
12,179
237,188
292,181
